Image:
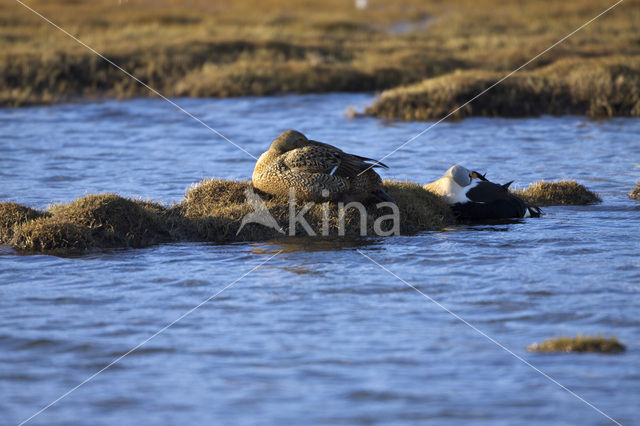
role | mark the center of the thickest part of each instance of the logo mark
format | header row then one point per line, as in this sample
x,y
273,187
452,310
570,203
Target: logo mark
x,y
262,216
260,213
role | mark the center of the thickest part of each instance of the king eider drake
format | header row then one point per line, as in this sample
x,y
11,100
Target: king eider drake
x,y
473,197
316,171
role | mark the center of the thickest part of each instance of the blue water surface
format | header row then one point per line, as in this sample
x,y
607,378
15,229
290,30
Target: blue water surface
x,y
320,334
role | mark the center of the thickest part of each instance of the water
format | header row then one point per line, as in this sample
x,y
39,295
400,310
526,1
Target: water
x,y
319,334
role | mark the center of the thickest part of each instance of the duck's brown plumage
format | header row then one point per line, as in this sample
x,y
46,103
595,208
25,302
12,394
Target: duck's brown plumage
x,y
311,167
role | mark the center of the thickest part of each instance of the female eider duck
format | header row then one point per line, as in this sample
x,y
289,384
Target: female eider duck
x,y
473,197
316,171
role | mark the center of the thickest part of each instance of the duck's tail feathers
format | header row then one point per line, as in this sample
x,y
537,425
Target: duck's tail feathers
x,y
375,163
534,211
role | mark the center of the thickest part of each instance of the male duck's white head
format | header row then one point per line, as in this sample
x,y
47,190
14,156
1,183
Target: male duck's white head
x,y
460,175
454,184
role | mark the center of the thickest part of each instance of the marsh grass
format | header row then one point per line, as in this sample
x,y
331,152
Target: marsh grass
x,y
115,221
12,215
54,236
598,88
599,344
212,211
215,208
635,194
242,47
560,193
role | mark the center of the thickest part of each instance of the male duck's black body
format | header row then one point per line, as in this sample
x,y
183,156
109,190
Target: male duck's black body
x,y
473,197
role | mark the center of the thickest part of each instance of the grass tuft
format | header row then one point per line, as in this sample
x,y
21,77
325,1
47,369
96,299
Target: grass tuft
x,y
243,47
599,344
635,194
419,209
212,211
115,221
12,215
215,208
598,88
51,235
560,193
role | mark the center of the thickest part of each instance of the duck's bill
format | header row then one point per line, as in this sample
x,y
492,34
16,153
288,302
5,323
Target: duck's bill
x,y
476,175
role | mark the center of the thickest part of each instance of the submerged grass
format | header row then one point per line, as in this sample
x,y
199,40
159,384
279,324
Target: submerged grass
x,y
243,47
600,344
560,193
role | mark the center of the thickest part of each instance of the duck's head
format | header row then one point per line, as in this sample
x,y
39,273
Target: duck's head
x,y
463,176
288,140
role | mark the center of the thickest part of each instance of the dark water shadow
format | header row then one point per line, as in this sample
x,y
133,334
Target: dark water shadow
x,y
315,244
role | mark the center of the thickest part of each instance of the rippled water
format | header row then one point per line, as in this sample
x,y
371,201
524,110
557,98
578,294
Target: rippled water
x,y
319,334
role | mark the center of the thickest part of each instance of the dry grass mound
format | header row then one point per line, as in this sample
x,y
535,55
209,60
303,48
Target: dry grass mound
x,y
115,221
635,194
212,211
599,88
420,209
215,208
560,193
13,214
599,344
51,235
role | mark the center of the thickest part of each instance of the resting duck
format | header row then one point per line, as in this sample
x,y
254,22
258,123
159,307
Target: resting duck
x,y
317,171
473,197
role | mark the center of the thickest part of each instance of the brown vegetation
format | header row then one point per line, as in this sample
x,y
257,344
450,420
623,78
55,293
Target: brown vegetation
x,y
212,211
115,221
51,235
600,344
12,215
635,194
560,193
242,47
594,87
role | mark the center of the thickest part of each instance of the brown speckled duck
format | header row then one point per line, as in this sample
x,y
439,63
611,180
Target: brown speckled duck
x,y
317,171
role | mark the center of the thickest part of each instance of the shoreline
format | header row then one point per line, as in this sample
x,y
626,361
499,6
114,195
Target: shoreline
x,y
249,49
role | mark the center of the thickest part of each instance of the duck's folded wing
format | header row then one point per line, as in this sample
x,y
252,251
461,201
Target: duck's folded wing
x,y
327,160
312,159
497,196
486,192
370,162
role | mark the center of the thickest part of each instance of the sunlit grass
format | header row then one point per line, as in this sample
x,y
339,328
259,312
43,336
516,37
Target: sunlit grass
x,y
213,209
635,194
204,48
600,344
560,193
